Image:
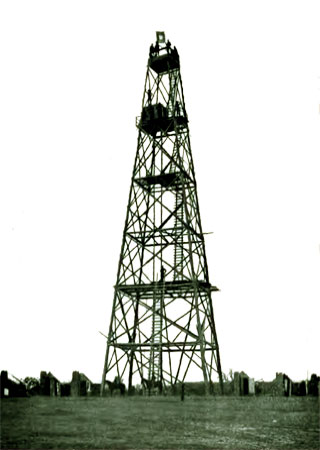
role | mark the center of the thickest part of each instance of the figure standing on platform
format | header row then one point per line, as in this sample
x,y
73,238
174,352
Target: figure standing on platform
x,y
177,109
168,46
162,273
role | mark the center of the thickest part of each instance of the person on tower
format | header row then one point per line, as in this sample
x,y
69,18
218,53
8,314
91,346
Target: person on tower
x,y
177,109
175,53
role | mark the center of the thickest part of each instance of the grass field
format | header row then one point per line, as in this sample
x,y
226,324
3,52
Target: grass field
x,y
161,422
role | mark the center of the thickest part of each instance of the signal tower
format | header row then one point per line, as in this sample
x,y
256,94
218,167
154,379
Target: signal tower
x,y
162,324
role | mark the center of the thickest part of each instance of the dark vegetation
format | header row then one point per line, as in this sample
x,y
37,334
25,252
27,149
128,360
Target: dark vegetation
x,y
250,422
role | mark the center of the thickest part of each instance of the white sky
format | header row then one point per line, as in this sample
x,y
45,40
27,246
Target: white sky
x,y
71,84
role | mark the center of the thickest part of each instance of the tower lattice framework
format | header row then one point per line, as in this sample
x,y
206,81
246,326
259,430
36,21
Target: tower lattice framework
x,y
162,328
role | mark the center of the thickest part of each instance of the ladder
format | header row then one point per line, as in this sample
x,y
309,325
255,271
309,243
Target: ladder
x,y
172,92
178,249
156,336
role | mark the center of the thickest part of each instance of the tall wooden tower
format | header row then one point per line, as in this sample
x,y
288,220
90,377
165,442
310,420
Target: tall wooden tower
x,y
162,328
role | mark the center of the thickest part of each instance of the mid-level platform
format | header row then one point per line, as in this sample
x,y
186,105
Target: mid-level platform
x,y
183,287
171,179
155,118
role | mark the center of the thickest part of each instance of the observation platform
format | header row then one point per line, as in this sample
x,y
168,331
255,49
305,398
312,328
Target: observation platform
x,y
165,62
155,118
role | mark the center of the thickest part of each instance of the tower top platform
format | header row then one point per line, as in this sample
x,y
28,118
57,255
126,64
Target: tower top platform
x,y
163,58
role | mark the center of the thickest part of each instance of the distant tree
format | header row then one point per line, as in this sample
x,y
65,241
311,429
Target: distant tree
x,y
226,378
32,385
138,389
117,380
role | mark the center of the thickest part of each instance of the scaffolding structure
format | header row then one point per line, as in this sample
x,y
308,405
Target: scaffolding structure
x,y
162,323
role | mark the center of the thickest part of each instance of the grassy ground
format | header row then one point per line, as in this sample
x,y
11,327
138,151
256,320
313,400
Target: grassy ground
x,y
161,422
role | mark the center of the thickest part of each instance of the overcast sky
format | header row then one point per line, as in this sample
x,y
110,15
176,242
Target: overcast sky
x,y
71,84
